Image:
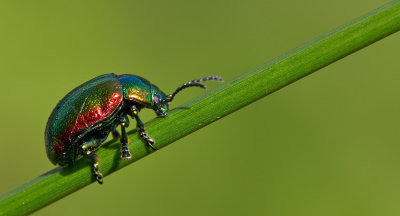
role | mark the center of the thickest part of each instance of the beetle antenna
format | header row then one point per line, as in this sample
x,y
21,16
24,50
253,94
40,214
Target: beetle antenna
x,y
195,82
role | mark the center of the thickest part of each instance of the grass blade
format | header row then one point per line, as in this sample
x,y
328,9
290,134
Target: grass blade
x,y
210,107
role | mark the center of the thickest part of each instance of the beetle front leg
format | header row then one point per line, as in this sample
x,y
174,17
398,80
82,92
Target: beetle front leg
x,y
140,126
125,154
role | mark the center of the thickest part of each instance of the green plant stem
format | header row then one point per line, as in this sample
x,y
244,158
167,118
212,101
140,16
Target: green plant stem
x,y
210,107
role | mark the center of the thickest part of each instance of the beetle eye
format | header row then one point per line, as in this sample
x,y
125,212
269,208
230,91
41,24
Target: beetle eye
x,y
156,100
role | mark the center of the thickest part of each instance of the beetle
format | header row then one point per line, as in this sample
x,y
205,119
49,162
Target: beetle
x,y
83,119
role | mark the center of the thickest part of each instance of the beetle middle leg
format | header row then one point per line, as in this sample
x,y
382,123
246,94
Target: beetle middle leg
x,y
142,133
125,154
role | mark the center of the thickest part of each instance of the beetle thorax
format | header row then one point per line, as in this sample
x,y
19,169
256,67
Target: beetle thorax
x,y
136,89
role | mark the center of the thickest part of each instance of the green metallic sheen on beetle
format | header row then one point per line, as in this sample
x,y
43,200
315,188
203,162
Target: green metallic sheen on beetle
x,y
84,118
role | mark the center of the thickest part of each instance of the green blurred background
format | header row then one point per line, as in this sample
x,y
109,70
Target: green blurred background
x,y
325,145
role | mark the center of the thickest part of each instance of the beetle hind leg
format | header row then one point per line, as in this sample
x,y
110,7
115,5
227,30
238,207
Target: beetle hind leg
x,y
87,151
96,167
94,159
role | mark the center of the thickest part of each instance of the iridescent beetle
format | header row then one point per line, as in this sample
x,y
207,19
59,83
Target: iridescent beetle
x,y
84,118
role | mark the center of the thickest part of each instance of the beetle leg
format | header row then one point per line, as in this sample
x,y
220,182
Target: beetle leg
x,y
87,148
115,133
142,133
95,167
125,154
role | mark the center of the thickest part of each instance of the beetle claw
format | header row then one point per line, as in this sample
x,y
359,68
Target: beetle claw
x,y
150,142
152,147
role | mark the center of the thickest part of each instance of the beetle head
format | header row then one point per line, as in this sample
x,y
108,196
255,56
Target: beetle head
x,y
158,103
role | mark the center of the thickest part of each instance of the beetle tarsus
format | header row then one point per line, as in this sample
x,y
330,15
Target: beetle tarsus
x,y
96,169
125,154
150,141
99,177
